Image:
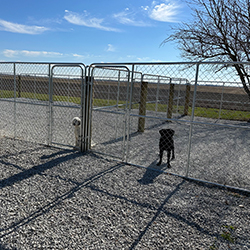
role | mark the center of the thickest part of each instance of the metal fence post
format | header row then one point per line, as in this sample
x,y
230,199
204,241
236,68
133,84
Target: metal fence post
x,y
221,100
187,98
117,100
178,96
129,99
88,99
142,106
157,94
170,100
50,105
192,119
15,118
19,86
82,108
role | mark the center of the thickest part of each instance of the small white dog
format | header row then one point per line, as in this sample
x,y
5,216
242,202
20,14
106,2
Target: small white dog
x,y
76,122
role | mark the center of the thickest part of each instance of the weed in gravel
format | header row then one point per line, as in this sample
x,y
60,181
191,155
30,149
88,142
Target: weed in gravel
x,y
214,245
227,235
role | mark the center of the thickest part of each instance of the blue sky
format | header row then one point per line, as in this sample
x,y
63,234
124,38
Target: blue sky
x,y
89,31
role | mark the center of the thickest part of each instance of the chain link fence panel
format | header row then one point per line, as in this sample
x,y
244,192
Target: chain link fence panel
x,y
67,94
37,105
206,107
124,106
7,124
110,100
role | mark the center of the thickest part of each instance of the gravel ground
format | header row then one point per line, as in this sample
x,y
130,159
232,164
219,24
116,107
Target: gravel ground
x,y
61,199
218,153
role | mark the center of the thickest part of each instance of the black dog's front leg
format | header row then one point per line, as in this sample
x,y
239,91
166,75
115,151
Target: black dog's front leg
x,y
161,155
169,154
173,156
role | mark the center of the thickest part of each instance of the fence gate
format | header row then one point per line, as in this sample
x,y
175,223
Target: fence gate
x,y
109,93
24,100
66,94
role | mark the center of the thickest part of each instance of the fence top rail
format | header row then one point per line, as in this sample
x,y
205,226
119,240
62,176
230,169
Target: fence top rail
x,y
167,63
51,63
154,76
128,63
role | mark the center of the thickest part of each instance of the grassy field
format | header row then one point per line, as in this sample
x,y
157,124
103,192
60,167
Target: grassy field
x,y
199,111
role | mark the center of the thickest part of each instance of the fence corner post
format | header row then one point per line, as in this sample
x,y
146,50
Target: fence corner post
x,y
19,86
187,98
142,106
170,100
87,99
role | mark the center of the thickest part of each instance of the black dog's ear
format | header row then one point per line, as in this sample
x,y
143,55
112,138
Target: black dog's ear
x,y
171,132
162,132
167,132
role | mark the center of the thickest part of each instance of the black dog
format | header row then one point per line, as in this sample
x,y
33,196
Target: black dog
x,y
166,143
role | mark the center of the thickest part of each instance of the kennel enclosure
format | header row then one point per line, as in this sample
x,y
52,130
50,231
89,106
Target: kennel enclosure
x,y
123,106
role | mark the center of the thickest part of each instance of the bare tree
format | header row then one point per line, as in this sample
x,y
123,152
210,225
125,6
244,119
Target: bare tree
x,y
220,32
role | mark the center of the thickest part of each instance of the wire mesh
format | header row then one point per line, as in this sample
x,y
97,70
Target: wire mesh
x,y
110,98
33,109
125,107
67,94
207,108
7,122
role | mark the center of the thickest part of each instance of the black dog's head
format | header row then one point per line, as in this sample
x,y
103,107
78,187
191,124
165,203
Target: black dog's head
x,y
167,133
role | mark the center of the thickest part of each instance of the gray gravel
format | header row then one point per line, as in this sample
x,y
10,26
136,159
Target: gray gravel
x,y
218,154
61,199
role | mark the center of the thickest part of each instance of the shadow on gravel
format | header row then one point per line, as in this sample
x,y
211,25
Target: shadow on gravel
x,y
134,134
58,200
161,209
58,153
4,248
152,172
25,174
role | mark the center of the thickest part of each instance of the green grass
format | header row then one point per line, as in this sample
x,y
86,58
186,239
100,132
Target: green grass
x,y
41,97
224,114
199,111
6,94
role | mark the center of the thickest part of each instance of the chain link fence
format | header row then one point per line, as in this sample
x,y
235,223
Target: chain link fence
x,y
109,110
207,108
39,100
124,106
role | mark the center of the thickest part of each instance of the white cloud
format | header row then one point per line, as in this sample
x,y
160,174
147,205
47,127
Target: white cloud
x,y
129,18
77,55
143,59
13,53
111,48
164,12
85,20
144,7
9,53
20,28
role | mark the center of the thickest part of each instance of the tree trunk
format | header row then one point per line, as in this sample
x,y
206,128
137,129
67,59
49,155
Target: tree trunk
x,y
242,76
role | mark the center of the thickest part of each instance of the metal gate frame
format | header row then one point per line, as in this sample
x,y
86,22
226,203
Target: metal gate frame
x,y
83,115
89,107
87,74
